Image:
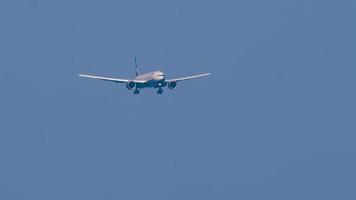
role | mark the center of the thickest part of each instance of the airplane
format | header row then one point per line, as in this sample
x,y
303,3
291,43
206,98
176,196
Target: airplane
x,y
156,79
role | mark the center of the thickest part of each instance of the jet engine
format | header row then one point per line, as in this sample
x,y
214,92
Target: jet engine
x,y
172,85
131,85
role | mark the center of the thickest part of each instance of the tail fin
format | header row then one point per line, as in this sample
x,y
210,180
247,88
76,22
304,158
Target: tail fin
x,y
136,68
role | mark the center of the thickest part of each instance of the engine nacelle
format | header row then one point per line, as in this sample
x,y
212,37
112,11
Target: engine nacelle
x,y
131,85
172,85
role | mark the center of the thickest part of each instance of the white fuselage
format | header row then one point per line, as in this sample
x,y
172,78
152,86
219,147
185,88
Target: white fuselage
x,y
152,79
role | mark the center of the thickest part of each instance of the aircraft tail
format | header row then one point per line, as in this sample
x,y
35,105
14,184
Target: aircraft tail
x,y
136,68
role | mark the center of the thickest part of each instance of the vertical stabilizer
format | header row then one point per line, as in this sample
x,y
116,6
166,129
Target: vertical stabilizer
x,y
136,68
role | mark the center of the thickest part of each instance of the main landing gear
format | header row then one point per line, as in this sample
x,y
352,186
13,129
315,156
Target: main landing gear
x,y
160,91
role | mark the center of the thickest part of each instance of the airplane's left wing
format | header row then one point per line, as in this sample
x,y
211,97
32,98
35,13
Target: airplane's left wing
x,y
188,78
117,80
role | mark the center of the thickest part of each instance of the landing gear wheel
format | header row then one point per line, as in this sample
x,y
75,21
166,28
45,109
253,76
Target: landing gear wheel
x,y
137,92
160,91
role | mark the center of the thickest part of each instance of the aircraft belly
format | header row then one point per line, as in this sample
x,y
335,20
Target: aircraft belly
x,y
157,84
142,85
152,83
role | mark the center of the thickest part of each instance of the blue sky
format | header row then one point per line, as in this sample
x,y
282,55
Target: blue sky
x,y
276,120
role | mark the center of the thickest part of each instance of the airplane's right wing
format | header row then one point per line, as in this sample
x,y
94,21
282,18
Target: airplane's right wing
x,y
117,80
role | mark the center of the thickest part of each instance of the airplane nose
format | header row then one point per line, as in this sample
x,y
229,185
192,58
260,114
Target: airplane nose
x,y
161,76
